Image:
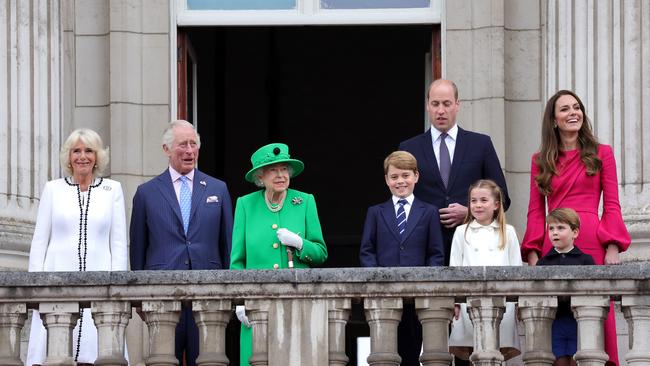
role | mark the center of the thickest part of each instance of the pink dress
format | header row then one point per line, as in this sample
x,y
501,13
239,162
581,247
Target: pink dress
x,y
573,188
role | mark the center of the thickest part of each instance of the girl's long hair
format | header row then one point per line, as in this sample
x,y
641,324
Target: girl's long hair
x,y
549,148
499,214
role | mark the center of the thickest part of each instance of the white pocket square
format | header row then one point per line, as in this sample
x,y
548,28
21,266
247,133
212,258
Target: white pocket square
x,y
212,199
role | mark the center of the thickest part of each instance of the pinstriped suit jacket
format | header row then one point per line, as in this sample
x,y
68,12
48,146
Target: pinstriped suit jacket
x,y
158,241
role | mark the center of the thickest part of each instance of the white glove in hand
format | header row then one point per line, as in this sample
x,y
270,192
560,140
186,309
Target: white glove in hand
x,y
240,311
289,239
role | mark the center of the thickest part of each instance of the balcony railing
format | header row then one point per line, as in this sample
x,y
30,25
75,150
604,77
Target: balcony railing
x,y
323,298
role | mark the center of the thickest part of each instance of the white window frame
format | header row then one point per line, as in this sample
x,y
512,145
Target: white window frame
x,y
307,12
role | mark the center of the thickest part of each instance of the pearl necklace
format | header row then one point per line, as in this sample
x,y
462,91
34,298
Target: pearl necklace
x,y
274,207
82,246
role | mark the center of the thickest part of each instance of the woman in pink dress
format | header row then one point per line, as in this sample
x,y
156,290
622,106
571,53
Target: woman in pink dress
x,y
572,170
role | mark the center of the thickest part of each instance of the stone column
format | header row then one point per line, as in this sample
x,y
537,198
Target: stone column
x,y
59,318
12,319
338,315
486,314
111,319
637,313
30,118
538,313
435,313
258,315
590,312
161,318
383,316
212,317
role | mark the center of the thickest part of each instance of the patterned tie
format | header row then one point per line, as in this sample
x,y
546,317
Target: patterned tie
x,y
401,216
445,161
186,202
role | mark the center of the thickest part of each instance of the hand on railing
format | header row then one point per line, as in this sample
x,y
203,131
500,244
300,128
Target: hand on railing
x,y
240,311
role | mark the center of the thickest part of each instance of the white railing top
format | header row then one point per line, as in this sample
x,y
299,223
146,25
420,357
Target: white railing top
x,y
628,279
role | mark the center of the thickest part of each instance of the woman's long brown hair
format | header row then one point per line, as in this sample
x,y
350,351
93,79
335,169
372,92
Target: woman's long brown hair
x,y
549,149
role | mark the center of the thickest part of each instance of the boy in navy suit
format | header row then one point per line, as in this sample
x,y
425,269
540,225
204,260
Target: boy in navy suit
x,y
403,232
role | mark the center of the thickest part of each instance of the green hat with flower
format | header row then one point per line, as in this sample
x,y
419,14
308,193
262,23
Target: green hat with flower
x,y
272,154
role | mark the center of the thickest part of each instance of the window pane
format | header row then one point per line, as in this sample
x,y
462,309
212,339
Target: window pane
x,y
240,4
373,4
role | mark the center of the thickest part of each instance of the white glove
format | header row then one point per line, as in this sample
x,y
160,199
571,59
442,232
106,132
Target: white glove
x,y
240,311
289,238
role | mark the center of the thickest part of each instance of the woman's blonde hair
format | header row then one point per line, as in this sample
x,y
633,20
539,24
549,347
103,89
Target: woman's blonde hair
x,y
499,214
92,140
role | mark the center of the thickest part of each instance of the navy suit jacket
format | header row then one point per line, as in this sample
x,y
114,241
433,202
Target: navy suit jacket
x,y
158,241
474,159
419,245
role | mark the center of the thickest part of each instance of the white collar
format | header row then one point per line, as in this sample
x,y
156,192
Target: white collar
x,y
176,175
476,225
452,133
408,199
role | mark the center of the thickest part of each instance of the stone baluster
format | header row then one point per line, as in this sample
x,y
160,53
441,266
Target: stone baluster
x,y
486,314
111,319
383,316
590,313
435,314
258,315
637,313
161,318
537,313
212,317
59,318
338,314
12,319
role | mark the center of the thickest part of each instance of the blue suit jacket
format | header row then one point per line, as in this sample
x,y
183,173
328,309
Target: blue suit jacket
x,y
474,159
419,245
158,241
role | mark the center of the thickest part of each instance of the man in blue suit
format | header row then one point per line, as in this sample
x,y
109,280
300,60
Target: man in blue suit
x,y
181,220
467,157
403,232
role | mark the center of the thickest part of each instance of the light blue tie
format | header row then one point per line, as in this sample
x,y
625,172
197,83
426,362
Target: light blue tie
x,y
186,202
401,216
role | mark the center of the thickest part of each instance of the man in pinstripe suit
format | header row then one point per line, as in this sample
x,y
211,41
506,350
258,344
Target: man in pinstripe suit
x,y
161,240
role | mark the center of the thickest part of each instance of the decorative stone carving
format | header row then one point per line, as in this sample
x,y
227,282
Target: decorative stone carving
x,y
258,314
111,319
383,316
12,319
537,314
212,317
486,314
435,314
637,313
590,313
161,318
59,318
338,315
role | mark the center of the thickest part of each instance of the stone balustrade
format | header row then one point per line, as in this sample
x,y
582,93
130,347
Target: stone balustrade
x,y
323,300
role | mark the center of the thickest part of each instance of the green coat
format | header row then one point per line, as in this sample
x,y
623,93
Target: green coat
x,y
255,244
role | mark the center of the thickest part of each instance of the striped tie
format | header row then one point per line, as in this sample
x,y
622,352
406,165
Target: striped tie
x,y
401,216
185,202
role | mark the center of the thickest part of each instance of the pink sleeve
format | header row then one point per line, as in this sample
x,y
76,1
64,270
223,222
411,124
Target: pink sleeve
x,y
611,229
536,223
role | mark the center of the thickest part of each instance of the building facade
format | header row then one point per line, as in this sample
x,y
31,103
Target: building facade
x,y
113,66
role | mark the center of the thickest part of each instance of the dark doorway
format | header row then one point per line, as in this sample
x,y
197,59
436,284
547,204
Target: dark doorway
x,y
341,97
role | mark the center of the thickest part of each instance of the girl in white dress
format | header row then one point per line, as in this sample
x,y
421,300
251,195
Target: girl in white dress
x,y
80,227
484,240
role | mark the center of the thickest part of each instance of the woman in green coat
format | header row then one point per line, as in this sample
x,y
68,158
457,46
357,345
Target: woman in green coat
x,y
275,227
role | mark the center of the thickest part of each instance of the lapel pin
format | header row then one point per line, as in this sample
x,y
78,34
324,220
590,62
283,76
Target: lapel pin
x,y
202,183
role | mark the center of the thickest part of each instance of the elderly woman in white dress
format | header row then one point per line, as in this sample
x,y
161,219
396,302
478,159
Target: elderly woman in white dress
x,y
80,227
